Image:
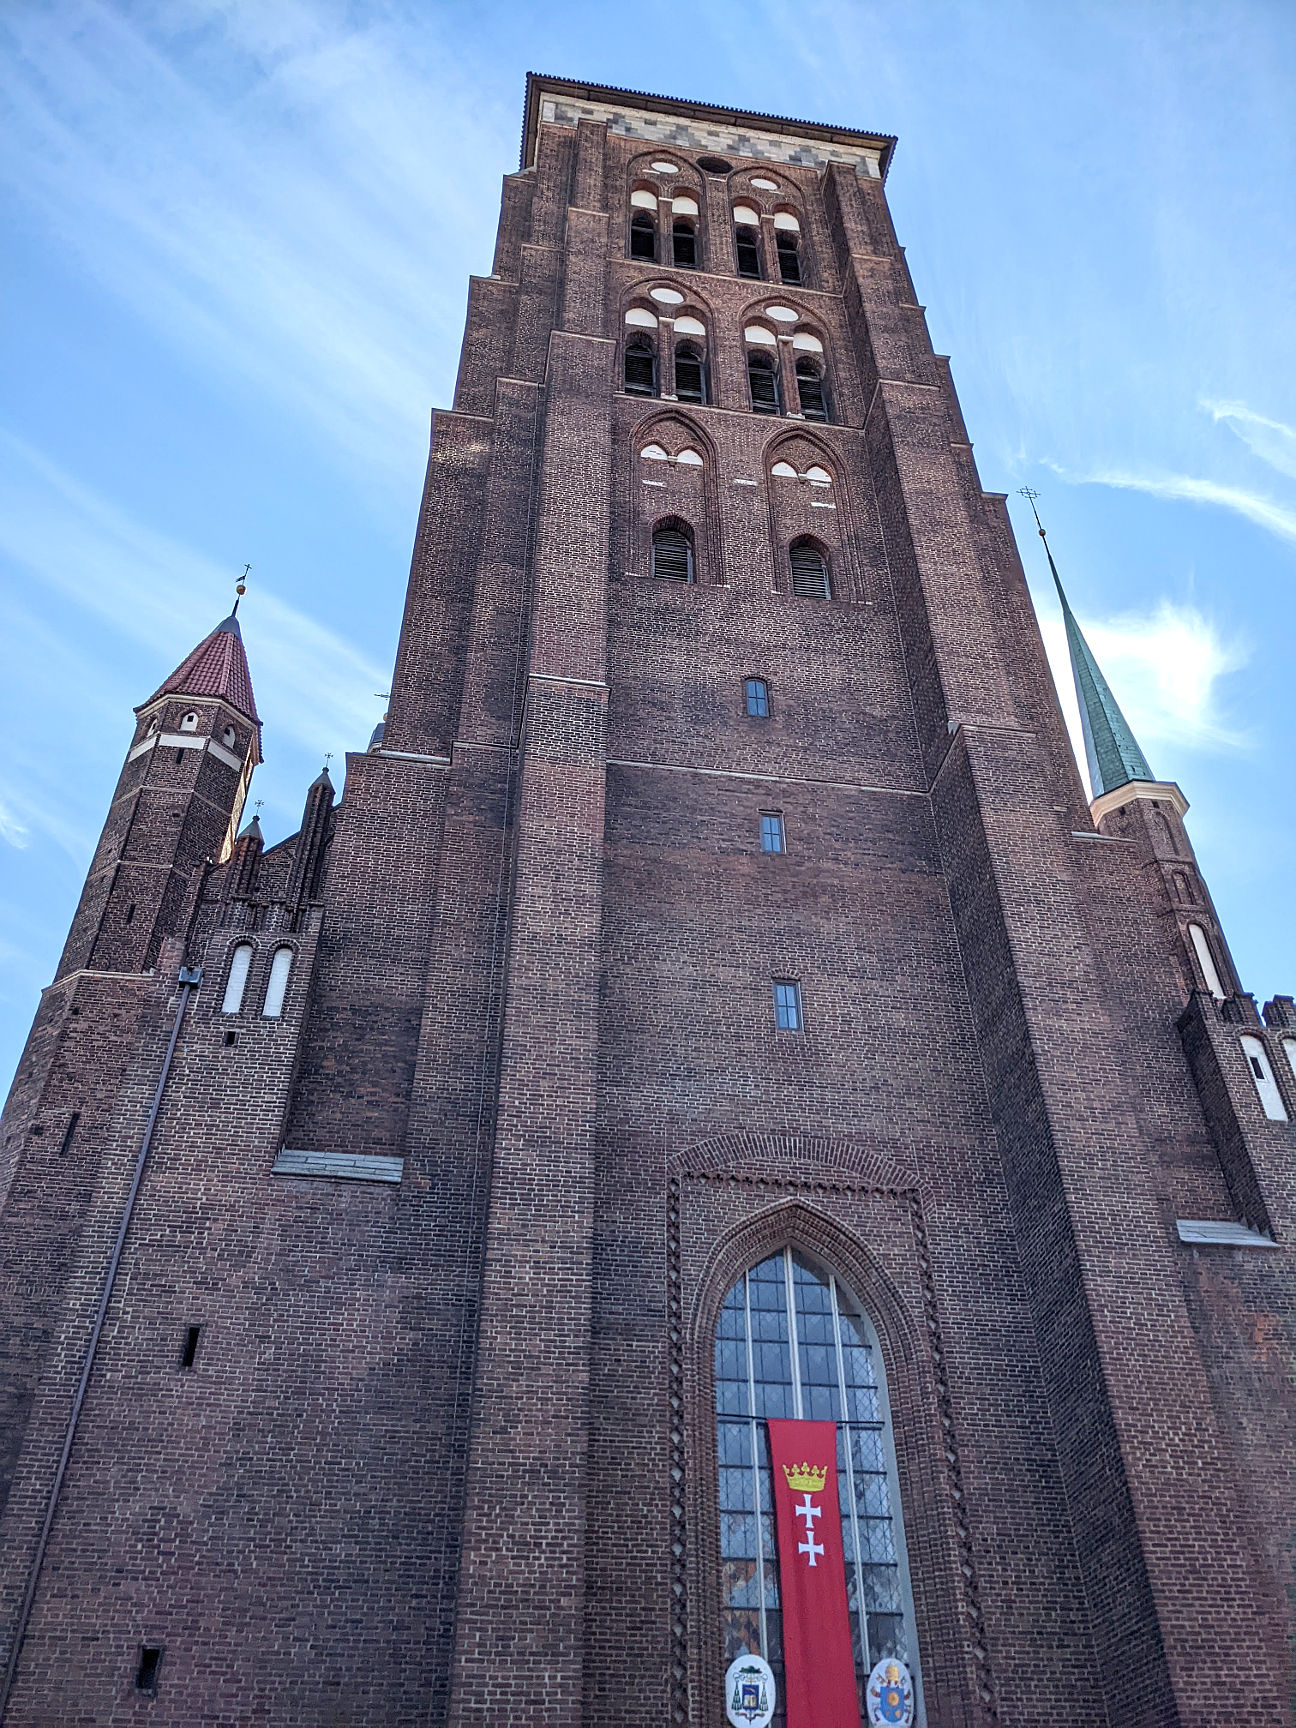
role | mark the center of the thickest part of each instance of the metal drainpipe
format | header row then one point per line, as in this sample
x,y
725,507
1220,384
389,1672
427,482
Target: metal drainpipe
x,y
190,977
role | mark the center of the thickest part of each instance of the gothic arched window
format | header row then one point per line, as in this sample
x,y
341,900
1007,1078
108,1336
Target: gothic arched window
x,y
277,984
809,571
643,229
640,366
747,240
791,1342
763,381
684,219
236,983
810,388
690,373
672,553
787,239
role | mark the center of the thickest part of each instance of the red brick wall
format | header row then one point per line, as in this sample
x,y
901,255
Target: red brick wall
x,y
447,1450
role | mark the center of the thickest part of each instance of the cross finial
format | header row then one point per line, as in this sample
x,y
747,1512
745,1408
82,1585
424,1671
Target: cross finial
x,y
259,803
1030,494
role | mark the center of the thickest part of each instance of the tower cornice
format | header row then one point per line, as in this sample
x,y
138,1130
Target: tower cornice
x,y
540,86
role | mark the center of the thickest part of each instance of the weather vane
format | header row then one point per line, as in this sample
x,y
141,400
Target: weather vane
x,y
240,587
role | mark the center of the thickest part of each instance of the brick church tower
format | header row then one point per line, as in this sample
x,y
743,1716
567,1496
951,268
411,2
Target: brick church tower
x,y
712,1000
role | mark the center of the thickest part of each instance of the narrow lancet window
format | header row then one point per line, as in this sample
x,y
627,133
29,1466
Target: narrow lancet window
x,y
809,571
643,237
763,378
672,554
810,389
236,983
640,367
690,374
277,984
747,241
1206,960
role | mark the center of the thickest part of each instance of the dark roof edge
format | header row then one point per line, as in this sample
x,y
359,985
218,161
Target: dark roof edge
x,y
536,81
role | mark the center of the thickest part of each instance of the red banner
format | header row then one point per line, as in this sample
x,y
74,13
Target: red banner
x,y
820,1683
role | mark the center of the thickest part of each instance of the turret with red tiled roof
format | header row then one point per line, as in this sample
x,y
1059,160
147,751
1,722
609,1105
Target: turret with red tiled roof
x,y
176,808
216,667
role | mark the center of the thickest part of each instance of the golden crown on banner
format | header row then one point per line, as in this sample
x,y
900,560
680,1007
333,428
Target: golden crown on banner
x,y
805,1477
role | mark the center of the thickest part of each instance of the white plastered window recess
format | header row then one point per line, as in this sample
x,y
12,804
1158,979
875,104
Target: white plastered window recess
x,y
277,984
1257,1060
1206,960
236,983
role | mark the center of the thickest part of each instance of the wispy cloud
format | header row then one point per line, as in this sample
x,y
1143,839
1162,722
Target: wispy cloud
x,y
1270,440
127,584
1165,668
272,189
1279,519
12,831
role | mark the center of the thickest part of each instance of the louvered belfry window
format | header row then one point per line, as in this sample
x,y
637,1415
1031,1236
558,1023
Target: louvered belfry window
x,y
747,246
810,388
809,571
690,374
640,367
643,236
684,244
762,375
789,257
672,555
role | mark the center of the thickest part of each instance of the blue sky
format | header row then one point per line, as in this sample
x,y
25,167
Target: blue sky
x,y
238,240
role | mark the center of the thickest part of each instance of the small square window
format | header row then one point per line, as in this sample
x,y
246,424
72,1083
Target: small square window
x,y
787,1004
757,698
772,838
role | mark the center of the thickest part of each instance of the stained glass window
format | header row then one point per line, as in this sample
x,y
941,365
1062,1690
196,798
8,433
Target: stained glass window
x,y
791,1342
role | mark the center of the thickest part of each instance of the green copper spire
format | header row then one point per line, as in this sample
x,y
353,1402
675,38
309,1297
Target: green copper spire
x,y
1111,748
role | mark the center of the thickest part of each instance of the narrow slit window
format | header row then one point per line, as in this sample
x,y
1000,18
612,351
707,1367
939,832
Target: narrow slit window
x,y
690,374
189,1350
236,983
757,694
277,984
684,243
787,1005
130,914
809,571
146,1669
643,237
810,389
69,1133
789,255
772,836
763,380
672,555
640,367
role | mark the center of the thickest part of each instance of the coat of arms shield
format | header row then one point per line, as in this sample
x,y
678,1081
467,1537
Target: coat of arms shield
x,y
749,1692
891,1695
